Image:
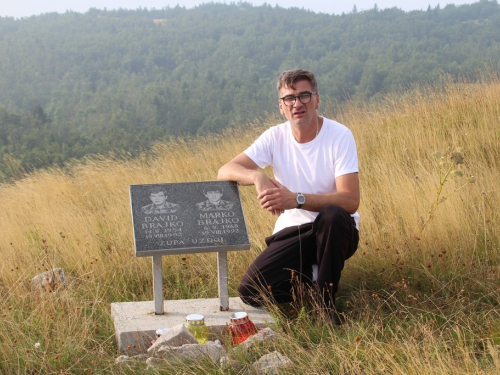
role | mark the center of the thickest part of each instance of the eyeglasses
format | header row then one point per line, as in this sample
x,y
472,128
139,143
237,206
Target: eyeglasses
x,y
304,98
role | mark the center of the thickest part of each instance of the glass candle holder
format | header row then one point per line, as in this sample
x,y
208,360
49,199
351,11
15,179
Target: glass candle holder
x,y
159,332
241,327
196,324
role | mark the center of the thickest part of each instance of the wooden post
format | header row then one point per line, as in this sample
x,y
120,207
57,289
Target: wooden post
x,y
223,284
158,285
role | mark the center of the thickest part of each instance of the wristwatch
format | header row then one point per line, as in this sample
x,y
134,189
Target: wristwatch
x,y
300,200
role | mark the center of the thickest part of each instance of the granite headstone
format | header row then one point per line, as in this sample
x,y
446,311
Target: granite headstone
x,y
190,217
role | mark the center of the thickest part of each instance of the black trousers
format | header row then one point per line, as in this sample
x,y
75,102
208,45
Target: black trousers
x,y
328,242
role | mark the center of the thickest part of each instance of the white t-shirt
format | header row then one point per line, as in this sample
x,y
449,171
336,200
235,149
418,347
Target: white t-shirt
x,y
309,168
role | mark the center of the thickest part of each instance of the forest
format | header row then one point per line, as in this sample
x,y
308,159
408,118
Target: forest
x,y
103,81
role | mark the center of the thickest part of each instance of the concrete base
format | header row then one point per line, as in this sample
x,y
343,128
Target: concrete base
x,y
136,323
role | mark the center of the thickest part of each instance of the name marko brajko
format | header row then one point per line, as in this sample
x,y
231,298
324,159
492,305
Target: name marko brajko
x,y
217,218
218,223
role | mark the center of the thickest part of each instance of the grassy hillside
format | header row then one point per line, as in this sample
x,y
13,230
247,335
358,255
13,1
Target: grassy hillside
x,y
75,84
420,295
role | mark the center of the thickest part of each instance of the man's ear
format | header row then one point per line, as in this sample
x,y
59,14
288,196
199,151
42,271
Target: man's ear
x,y
280,105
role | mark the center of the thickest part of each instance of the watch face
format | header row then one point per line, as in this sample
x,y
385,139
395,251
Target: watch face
x,y
301,199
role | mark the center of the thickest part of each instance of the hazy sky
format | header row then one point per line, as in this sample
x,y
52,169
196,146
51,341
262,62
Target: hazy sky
x,y
26,8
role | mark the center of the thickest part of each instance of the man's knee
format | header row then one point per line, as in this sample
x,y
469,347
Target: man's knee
x,y
333,214
250,295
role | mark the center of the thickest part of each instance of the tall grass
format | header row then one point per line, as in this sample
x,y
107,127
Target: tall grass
x,y
420,295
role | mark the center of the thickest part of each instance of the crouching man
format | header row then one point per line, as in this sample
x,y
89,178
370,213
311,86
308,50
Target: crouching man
x,y
314,193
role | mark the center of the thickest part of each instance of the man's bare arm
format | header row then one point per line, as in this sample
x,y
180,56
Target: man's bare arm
x,y
245,172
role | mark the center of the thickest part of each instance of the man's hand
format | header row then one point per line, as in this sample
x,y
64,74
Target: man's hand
x,y
277,198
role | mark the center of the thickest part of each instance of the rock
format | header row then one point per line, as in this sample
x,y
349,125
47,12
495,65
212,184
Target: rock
x,y
126,358
213,349
272,363
153,362
265,334
140,357
122,359
176,336
226,363
50,280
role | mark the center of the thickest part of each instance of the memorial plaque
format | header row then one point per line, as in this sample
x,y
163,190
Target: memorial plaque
x,y
190,217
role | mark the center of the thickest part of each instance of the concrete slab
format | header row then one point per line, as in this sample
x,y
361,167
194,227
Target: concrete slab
x,y
136,323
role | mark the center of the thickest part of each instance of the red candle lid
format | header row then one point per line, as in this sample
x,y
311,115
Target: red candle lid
x,y
239,317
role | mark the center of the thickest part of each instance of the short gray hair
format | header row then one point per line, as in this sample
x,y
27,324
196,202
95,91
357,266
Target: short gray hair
x,y
288,78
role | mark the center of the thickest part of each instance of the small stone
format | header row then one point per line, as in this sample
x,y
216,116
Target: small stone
x,y
137,358
122,359
140,357
226,364
50,280
213,349
176,336
153,362
263,335
272,363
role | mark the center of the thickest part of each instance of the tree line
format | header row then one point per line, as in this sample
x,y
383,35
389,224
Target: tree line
x,y
79,83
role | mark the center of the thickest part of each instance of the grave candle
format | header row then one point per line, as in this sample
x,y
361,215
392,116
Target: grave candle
x,y
196,324
241,327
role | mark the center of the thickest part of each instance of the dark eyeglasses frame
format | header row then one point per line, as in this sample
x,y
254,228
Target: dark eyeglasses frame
x,y
306,94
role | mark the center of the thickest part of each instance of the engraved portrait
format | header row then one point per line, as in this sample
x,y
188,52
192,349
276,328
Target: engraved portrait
x,y
160,205
214,193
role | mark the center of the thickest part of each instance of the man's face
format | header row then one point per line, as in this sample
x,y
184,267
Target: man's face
x,y
299,114
158,198
214,196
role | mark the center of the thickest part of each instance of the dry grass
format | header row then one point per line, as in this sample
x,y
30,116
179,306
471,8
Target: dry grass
x,y
420,295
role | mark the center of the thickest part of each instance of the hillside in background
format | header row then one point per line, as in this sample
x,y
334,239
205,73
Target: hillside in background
x,y
420,296
75,84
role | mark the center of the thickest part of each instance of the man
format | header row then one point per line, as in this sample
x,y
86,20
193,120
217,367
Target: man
x,y
214,201
160,205
314,193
